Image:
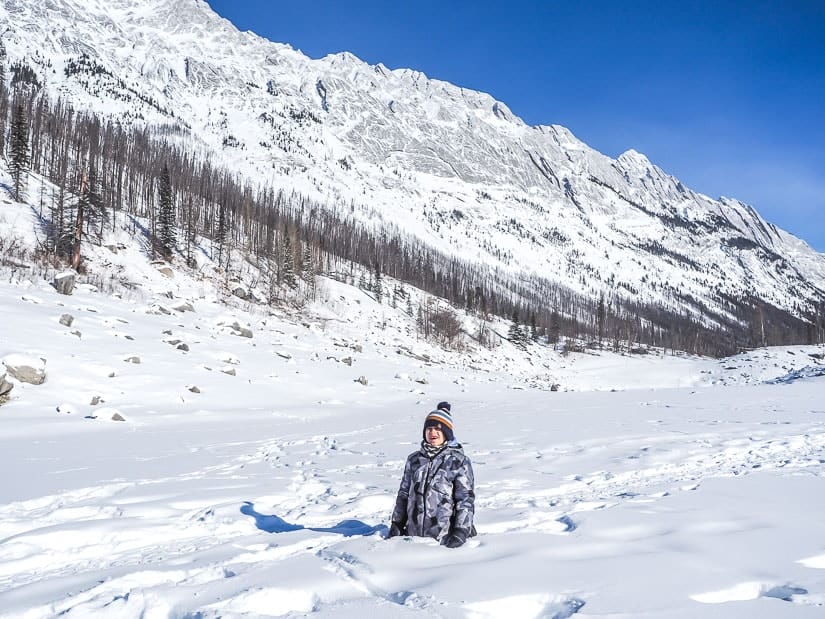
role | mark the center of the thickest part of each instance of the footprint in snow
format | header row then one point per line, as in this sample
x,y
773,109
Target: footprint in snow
x,y
751,591
568,523
541,606
563,610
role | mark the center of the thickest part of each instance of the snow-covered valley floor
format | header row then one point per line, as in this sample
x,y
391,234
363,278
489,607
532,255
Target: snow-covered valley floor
x,y
269,491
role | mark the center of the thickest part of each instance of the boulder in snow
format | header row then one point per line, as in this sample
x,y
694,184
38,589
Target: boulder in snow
x,y
5,386
243,332
26,369
362,379
236,328
64,282
66,320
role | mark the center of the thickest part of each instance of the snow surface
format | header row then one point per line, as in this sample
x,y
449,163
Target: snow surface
x,y
254,476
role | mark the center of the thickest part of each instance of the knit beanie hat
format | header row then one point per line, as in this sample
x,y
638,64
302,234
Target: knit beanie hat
x,y
440,417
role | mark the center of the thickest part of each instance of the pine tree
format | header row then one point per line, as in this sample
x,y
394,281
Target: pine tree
x,y
19,151
191,233
288,263
166,215
482,303
93,202
515,334
307,264
80,218
4,97
526,339
308,271
513,331
420,322
555,328
378,286
3,104
220,233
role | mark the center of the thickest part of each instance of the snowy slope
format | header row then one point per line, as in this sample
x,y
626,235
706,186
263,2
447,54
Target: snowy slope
x,y
450,165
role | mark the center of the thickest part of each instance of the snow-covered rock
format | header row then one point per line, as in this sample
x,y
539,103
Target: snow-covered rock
x,y
5,386
64,282
26,368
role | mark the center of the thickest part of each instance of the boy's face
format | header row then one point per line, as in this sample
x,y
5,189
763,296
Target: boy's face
x,y
434,435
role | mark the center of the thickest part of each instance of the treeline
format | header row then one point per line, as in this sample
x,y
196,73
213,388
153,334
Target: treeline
x,y
100,168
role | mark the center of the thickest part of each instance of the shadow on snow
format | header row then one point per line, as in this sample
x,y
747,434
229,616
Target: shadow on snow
x,y
276,524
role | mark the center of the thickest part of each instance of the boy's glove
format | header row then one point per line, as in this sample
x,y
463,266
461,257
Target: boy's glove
x,y
455,539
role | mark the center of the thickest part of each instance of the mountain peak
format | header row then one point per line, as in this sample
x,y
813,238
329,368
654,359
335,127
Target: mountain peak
x,y
632,157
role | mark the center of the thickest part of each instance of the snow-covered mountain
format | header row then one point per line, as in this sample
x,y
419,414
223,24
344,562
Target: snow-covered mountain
x,y
452,166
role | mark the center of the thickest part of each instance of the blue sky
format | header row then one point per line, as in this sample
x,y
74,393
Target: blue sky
x,y
727,96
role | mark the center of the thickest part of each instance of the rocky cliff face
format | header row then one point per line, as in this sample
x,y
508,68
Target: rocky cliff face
x,y
452,166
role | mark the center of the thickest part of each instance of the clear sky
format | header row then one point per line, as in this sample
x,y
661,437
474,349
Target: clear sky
x,y
728,96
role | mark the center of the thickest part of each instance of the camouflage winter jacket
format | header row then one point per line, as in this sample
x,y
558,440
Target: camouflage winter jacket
x,y
437,494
